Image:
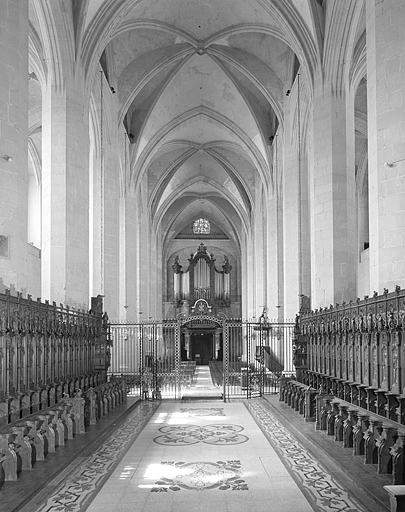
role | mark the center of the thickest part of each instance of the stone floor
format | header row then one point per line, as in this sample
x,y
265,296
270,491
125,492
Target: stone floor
x,y
170,456
202,386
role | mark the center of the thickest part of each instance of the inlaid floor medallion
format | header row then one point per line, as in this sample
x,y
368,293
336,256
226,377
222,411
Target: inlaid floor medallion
x,y
183,435
203,411
200,476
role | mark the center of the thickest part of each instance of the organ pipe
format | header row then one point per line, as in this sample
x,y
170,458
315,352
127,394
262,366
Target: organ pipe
x,y
202,280
226,287
185,285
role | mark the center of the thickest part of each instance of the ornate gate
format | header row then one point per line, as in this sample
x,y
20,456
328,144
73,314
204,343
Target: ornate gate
x,y
256,354
247,357
148,355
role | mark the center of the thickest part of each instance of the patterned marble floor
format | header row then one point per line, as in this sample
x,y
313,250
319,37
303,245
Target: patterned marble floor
x,y
161,458
189,449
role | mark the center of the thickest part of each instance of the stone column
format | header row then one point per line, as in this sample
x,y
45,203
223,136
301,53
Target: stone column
x,y
290,210
333,215
386,141
112,229
144,262
248,277
65,195
13,144
260,287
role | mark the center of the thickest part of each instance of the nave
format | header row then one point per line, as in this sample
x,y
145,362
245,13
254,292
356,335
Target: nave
x,y
155,456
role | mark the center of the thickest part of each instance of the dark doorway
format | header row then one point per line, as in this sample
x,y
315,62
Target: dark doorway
x,y
202,347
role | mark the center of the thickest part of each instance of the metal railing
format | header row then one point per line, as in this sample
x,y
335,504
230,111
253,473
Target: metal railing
x,y
248,357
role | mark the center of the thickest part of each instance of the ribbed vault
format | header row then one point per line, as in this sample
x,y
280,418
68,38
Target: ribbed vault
x,y
201,96
201,87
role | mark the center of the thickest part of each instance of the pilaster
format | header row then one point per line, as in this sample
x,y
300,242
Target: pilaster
x,y
333,215
65,194
291,224
386,141
13,144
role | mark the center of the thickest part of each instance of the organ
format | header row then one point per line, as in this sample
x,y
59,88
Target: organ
x,y
202,279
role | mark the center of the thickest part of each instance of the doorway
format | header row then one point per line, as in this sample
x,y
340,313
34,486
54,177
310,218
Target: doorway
x,y
202,347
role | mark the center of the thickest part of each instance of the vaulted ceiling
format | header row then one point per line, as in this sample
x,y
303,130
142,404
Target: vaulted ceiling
x,y
201,87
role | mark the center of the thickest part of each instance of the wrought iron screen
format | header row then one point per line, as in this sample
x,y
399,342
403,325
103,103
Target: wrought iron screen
x,y
250,358
257,354
148,355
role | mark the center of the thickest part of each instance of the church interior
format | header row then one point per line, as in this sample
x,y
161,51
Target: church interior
x,y
202,255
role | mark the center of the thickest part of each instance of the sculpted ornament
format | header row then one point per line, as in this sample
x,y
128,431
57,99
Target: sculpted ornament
x,y
392,321
374,363
358,362
384,363
395,365
378,323
370,323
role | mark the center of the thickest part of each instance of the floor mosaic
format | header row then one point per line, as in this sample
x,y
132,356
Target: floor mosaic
x,y
201,476
157,456
182,435
322,490
203,411
181,452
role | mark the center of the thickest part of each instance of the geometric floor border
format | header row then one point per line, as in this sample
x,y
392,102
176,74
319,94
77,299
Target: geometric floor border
x,y
322,491
83,482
